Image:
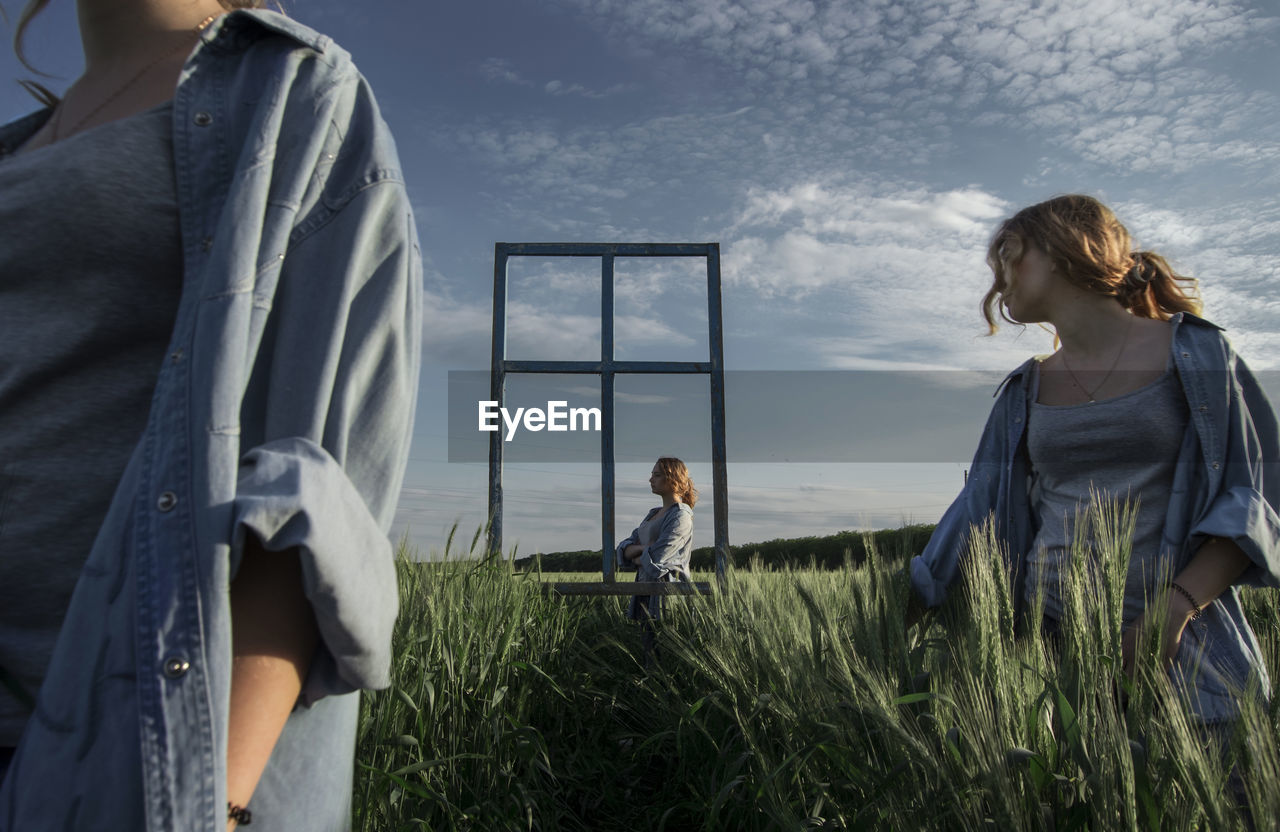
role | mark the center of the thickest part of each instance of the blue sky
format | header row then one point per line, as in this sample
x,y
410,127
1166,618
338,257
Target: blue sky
x,y
851,158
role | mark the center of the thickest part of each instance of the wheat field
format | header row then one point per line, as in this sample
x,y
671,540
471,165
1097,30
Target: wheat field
x,y
796,699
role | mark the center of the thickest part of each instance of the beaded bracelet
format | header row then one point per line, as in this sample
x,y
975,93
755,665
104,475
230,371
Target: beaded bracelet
x,y
239,814
1196,611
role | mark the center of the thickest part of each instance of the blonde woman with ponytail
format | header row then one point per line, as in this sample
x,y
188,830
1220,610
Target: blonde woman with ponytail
x,y
1142,401
209,329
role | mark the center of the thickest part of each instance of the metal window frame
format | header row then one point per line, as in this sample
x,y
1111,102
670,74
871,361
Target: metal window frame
x,y
607,368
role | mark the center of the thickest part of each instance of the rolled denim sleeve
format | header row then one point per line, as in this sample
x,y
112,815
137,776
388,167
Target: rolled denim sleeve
x,y
1244,516
1244,509
933,570
294,496
333,406
620,550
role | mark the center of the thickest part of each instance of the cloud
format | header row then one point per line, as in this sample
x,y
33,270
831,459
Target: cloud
x,y
455,332
860,211
890,273
850,159
502,71
803,89
459,332
903,264
553,167
1230,249
1115,83
621,397
559,88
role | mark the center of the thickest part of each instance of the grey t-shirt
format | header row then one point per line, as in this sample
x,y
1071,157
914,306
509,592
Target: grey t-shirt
x,y
90,278
648,530
1123,448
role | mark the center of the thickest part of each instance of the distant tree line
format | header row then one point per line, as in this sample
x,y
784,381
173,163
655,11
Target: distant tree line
x,y
829,552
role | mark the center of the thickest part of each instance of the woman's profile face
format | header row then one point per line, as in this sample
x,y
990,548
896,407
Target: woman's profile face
x,y
1032,281
657,482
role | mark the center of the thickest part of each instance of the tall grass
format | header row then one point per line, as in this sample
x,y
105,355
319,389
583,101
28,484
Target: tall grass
x,y
796,699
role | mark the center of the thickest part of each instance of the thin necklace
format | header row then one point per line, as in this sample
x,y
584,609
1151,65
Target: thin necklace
x,y
57,114
1115,362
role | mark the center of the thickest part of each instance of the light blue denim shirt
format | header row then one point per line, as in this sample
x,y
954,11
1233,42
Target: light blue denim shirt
x,y
666,558
283,409
1227,484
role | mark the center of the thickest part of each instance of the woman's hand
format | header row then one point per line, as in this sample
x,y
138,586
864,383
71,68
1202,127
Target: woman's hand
x,y
1180,612
1214,567
633,552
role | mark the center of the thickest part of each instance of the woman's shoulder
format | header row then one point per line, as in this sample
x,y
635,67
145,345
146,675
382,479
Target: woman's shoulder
x,y
678,509
1019,378
680,512
300,81
243,27
678,521
1187,326
1204,340
266,43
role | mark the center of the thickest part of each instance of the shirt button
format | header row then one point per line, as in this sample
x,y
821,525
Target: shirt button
x,y
1204,408
203,119
1214,466
167,501
175,667
206,244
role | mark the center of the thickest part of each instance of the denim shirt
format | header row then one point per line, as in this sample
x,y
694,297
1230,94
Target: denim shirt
x,y
666,559
283,409
1226,484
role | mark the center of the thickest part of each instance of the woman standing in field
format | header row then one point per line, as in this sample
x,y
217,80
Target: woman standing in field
x,y
1143,400
660,547
209,329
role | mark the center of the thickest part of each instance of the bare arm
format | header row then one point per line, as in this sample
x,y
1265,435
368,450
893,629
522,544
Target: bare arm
x,y
1213,568
273,639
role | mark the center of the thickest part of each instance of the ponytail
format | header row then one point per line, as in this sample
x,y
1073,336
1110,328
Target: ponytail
x,y
1152,289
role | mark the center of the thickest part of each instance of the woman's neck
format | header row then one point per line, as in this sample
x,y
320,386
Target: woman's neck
x,y
668,500
1092,327
118,34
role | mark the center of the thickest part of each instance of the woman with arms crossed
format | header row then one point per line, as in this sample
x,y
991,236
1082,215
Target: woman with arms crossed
x,y
1142,401
218,199
660,547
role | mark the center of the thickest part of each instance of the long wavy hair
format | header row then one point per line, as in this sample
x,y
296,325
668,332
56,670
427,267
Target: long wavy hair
x,y
676,477
1091,248
42,93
